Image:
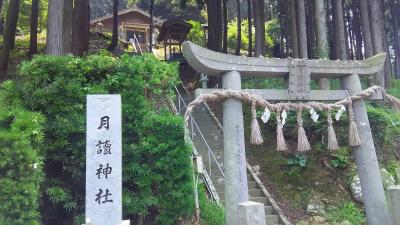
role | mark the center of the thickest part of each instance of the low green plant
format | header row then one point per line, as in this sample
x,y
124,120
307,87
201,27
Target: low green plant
x,y
298,160
210,212
340,158
348,211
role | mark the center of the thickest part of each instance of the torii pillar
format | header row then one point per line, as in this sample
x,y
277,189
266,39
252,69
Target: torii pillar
x,y
299,73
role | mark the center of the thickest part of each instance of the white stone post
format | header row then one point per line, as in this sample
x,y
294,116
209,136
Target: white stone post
x,y
236,190
366,160
251,213
393,198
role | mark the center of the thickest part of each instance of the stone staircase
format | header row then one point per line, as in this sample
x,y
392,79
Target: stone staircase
x,y
209,130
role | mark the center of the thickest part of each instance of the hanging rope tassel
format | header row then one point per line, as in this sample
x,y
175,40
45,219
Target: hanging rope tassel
x,y
302,142
332,141
280,138
256,136
354,136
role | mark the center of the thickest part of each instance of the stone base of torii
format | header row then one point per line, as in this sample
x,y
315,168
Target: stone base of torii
x,y
298,73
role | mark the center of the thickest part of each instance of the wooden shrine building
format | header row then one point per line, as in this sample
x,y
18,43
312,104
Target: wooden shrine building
x,y
133,22
173,33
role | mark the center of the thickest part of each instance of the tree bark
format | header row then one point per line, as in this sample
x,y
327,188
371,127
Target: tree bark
x,y
366,29
320,28
250,27
395,6
151,24
1,7
239,28
259,23
293,29
33,28
81,28
9,36
225,26
114,39
302,29
67,26
322,51
377,32
357,29
214,12
54,41
340,31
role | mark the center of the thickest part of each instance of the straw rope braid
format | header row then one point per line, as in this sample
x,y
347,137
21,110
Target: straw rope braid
x,y
257,101
302,143
256,136
332,141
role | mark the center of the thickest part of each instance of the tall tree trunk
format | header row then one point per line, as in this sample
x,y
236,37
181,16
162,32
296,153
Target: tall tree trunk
x,y
357,28
151,24
54,40
366,29
214,12
250,27
396,31
378,33
321,30
340,31
81,28
1,7
67,26
114,39
311,36
322,51
259,23
225,26
10,30
34,28
239,28
302,30
293,29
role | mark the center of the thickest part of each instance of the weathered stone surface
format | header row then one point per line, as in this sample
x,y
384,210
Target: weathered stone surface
x,y
393,198
356,189
315,207
251,213
387,178
387,181
345,223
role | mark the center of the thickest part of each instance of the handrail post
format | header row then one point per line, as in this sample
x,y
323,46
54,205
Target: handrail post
x,y
366,160
236,189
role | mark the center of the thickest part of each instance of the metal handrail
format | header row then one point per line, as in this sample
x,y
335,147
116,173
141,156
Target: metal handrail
x,y
193,122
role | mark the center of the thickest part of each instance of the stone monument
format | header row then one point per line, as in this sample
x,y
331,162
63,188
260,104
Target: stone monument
x,y
104,161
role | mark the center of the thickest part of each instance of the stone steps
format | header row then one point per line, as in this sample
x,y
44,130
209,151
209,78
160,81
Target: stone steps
x,y
214,137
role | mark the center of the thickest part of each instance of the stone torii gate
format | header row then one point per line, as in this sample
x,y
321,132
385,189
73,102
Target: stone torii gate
x,y
298,74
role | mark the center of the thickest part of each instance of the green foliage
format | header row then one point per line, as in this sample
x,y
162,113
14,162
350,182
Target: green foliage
x,y
298,160
21,134
210,213
349,211
340,158
57,87
24,19
196,34
272,35
159,170
385,131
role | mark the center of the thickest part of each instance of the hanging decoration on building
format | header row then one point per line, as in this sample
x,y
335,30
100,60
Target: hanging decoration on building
x,y
280,110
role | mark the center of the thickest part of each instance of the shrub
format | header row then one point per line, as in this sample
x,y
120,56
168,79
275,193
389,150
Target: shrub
x,y
57,87
21,163
349,211
210,213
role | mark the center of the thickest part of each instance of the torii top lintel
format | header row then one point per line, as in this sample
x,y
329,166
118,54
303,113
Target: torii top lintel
x,y
215,63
